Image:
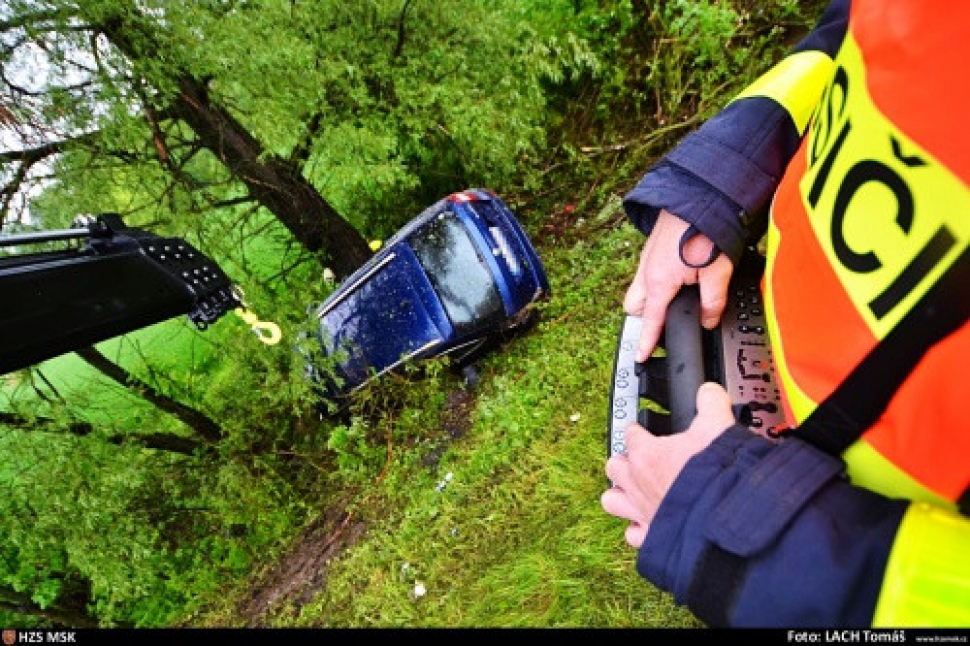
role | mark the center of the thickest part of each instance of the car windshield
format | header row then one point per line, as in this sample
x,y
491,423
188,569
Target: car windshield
x,y
458,272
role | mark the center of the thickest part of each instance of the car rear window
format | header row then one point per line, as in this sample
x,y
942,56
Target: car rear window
x,y
458,273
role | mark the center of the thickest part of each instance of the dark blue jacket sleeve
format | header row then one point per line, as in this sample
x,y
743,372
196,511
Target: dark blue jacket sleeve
x,y
754,534
721,177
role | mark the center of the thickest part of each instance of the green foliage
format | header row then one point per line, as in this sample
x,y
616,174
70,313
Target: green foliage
x,y
349,442
662,63
148,532
704,29
392,104
389,105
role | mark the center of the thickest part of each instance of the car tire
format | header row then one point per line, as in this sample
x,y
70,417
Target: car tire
x,y
471,376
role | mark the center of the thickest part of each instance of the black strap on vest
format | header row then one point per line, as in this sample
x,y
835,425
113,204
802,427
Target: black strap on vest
x,y
859,400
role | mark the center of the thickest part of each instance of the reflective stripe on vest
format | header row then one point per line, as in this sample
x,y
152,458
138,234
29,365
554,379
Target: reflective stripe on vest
x,y
873,218
924,584
795,84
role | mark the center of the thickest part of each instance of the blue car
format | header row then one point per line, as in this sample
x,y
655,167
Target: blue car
x,y
459,275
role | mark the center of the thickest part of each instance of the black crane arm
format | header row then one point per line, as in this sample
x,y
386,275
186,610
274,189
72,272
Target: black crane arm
x,y
118,280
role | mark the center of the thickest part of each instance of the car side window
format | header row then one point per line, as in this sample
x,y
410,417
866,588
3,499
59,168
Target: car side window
x,y
458,273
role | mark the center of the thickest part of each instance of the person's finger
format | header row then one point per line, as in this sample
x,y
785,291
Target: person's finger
x,y
617,470
714,291
697,249
635,297
636,293
659,293
616,503
635,534
636,438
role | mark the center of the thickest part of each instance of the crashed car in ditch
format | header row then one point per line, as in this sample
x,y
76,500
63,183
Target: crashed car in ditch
x,y
458,277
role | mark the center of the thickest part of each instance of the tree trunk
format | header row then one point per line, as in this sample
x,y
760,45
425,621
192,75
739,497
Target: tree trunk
x,y
276,183
198,421
156,441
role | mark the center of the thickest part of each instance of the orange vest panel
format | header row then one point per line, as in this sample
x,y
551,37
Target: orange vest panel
x,y
882,171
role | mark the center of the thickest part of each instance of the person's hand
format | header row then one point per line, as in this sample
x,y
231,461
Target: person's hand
x,y
643,476
661,273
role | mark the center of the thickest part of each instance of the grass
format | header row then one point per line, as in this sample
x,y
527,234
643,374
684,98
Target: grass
x,y
516,537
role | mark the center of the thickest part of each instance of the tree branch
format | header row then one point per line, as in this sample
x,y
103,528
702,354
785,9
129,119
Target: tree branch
x,y
301,151
198,421
7,119
27,158
158,441
34,155
399,45
18,22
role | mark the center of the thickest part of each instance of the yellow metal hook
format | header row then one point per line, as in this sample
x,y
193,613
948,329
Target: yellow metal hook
x,y
267,331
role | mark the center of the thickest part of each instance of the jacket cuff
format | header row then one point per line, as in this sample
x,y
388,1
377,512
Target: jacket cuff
x,y
666,186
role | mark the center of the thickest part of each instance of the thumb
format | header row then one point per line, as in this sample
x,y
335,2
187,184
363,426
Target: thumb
x,y
714,414
714,402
